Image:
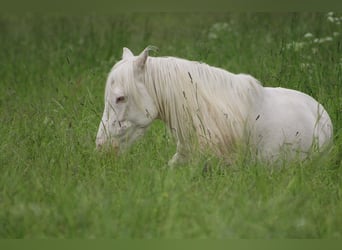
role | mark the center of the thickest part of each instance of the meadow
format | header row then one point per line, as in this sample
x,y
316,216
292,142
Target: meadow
x,y
54,184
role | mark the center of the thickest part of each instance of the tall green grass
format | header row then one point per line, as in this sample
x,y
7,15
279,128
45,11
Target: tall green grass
x,y
54,184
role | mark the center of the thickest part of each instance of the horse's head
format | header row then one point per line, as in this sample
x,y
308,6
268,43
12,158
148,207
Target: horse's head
x,y
129,108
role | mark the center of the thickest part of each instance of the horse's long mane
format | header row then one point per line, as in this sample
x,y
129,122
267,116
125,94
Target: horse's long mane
x,y
195,97
200,101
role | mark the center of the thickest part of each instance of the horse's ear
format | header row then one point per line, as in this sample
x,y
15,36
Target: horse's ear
x,y
141,59
126,53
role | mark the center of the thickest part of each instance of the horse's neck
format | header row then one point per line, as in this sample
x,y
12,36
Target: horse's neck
x,y
223,94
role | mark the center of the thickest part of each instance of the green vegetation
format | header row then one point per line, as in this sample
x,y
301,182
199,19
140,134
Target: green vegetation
x,y
54,184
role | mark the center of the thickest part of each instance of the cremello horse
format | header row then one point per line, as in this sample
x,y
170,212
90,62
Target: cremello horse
x,y
219,109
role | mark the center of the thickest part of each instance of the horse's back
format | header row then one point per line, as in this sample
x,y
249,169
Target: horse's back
x,y
289,119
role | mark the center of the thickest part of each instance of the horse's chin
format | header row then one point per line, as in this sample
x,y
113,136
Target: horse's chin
x,y
112,146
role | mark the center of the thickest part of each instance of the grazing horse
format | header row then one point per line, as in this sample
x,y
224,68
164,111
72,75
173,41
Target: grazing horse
x,y
209,107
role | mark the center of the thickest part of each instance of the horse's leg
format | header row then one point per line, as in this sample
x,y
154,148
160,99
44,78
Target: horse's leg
x,y
181,155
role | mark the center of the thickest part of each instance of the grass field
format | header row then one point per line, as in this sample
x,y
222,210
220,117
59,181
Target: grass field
x,y
54,184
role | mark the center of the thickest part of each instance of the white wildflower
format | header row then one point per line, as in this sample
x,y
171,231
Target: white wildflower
x,y
217,29
323,40
299,45
331,19
336,33
305,65
330,13
295,45
219,26
224,26
308,35
212,35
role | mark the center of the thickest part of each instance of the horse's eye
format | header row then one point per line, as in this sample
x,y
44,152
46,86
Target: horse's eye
x,y
120,99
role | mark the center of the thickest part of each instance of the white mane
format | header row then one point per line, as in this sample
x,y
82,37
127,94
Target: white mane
x,y
201,102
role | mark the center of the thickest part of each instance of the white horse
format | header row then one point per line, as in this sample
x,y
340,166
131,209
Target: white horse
x,y
207,106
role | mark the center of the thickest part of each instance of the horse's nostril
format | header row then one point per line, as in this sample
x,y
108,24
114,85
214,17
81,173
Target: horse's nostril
x,y
115,151
99,143
115,145
98,146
